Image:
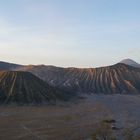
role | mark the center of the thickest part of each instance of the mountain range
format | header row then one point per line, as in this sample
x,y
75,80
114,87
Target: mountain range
x,y
119,78
9,66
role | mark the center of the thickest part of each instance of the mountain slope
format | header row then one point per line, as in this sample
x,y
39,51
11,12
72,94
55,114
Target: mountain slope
x,y
24,88
130,62
119,78
9,66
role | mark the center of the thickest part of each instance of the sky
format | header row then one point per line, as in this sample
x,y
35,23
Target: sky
x,y
69,33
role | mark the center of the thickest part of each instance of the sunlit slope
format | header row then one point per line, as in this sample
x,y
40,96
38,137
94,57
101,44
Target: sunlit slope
x,y
119,78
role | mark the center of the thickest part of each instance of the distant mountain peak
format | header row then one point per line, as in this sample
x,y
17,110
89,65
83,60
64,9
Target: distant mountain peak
x,y
130,62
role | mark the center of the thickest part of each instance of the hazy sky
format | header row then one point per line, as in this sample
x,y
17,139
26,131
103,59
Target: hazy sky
x,y
80,33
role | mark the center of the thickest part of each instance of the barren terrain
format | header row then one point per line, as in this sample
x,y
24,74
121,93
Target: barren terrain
x,y
68,121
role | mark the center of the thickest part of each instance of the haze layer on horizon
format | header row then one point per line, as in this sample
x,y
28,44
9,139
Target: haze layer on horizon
x,y
80,33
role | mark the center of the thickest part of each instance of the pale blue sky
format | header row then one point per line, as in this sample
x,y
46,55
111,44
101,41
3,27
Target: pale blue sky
x,y
79,33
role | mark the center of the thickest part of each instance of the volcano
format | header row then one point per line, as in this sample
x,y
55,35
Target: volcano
x,y
25,88
130,62
119,78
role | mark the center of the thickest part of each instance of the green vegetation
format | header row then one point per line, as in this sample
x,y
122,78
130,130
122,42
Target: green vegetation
x,y
104,132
